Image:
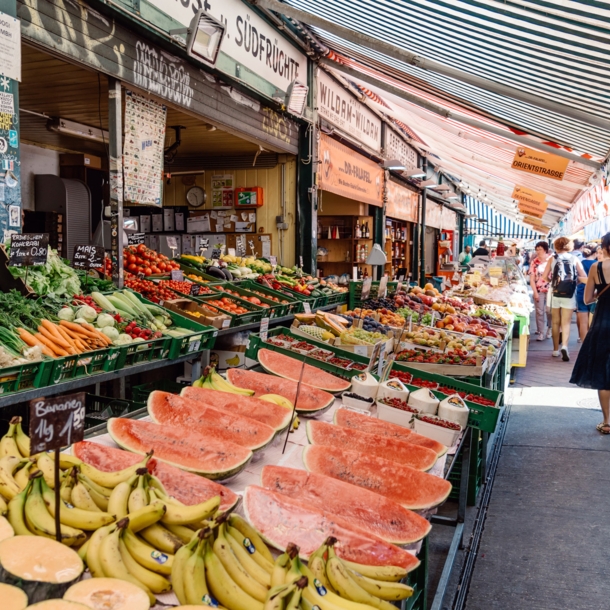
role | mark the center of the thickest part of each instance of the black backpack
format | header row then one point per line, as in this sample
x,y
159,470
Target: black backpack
x,y
565,278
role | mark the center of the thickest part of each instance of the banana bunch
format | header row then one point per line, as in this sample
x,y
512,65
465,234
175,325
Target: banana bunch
x,y
283,402
15,442
331,583
214,381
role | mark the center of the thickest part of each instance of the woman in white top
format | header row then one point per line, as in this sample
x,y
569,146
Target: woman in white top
x,y
563,286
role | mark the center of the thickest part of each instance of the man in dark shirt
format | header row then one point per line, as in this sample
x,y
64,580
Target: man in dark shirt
x,y
481,250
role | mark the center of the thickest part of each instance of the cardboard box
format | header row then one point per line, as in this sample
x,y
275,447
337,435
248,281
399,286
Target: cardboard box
x,y
185,307
81,160
227,359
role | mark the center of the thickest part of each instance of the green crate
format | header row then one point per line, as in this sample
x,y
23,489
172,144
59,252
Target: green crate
x,y
84,365
25,376
209,280
275,310
99,409
290,308
140,393
255,313
337,298
418,580
143,351
475,470
355,292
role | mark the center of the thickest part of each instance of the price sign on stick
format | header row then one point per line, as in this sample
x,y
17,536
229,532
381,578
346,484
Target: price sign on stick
x,y
381,359
374,355
301,262
383,287
294,407
195,290
264,328
88,257
273,261
55,423
176,275
29,249
216,252
366,289
307,307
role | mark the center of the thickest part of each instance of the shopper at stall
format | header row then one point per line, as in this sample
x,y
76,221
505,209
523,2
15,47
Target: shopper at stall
x,y
564,273
584,311
481,250
592,368
540,290
577,251
465,256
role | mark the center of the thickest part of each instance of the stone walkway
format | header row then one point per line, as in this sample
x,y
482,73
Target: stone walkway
x,y
544,546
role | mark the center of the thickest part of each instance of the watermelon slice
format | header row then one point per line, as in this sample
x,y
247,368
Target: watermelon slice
x,y
346,418
281,520
311,400
371,512
172,410
184,486
262,411
290,368
199,453
323,433
411,488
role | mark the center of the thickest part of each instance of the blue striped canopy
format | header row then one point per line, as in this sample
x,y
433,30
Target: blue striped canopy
x,y
492,223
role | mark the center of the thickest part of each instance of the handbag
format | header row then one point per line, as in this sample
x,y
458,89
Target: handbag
x,y
600,294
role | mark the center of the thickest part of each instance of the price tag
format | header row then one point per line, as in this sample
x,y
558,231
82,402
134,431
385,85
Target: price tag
x,y
194,345
29,249
273,260
264,329
401,278
88,257
366,289
361,350
374,355
216,253
301,262
307,307
176,275
56,422
399,286
493,281
195,290
231,251
172,242
134,239
380,362
383,287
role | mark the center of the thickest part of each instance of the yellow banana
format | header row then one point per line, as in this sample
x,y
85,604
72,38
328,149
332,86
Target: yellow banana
x,y
155,483
47,466
179,563
99,500
75,517
155,582
317,565
3,506
194,578
81,498
22,476
276,597
22,439
282,565
184,515
138,498
93,550
8,444
161,539
145,517
294,603
223,587
65,489
234,568
348,588
117,503
82,550
242,526
185,534
251,549
147,556
16,513
67,461
391,591
329,600
384,573
8,487
222,385
111,479
102,491
258,573
42,523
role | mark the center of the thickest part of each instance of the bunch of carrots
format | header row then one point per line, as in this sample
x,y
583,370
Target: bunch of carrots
x,y
65,338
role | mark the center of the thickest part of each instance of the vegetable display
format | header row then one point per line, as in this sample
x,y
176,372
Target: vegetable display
x,y
55,278
140,259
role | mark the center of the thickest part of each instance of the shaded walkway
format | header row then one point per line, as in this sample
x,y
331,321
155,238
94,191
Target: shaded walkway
x,y
545,542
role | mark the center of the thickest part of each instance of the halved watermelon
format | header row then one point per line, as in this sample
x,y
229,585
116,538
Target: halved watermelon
x,y
262,411
290,368
173,410
312,401
347,418
281,520
411,488
323,433
192,451
185,486
371,512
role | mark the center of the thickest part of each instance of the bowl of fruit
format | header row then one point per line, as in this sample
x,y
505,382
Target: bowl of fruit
x,y
441,430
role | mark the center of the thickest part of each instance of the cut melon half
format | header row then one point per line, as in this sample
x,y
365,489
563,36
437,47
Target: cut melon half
x,y
58,604
108,594
6,529
12,598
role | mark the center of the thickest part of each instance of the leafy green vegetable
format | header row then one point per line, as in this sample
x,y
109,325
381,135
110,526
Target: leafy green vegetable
x,y
55,278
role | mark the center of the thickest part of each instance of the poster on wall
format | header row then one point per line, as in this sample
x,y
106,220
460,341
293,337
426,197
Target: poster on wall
x,y
222,190
10,166
143,149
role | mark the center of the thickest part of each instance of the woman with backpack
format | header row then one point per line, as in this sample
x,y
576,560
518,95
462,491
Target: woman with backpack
x,y
565,273
592,368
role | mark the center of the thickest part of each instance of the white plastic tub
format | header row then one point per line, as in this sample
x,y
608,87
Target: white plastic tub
x,y
442,435
394,415
354,403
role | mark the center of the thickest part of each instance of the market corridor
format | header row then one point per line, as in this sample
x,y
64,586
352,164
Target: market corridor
x,y
545,542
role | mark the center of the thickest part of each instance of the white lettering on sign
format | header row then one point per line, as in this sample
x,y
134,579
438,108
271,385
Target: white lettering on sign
x,y
249,39
397,148
339,107
10,47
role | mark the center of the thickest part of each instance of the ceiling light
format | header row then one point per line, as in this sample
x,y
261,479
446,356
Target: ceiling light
x,y
442,187
428,184
203,37
414,173
77,130
296,98
394,165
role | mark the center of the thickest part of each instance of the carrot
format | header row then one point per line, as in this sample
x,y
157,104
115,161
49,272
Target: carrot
x,y
52,328
51,336
78,328
58,351
100,334
32,341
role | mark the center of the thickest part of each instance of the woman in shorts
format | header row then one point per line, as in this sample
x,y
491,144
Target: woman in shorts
x,y
584,311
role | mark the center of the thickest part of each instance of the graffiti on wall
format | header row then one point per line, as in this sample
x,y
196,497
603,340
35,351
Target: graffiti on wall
x,y
10,184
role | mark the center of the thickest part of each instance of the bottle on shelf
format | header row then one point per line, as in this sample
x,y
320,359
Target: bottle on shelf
x,y
319,230
358,231
330,235
366,229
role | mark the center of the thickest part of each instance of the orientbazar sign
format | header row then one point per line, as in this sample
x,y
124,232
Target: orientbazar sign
x,y
402,203
346,173
249,40
540,163
340,108
397,148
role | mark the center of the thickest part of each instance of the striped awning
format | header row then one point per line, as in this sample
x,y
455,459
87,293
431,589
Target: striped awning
x,y
488,222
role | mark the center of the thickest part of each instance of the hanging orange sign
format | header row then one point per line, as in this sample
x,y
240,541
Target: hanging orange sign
x,y
540,163
346,173
532,210
529,196
402,203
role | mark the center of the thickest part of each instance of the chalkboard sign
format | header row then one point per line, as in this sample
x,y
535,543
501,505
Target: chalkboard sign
x,y
216,252
135,239
29,249
88,257
195,290
176,275
56,422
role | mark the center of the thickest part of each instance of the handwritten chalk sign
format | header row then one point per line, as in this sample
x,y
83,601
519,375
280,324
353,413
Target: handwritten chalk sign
x,y
29,249
135,239
56,422
88,257
195,290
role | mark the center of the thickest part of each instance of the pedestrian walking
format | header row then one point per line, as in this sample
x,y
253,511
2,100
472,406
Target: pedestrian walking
x,y
564,273
584,311
540,289
465,256
592,368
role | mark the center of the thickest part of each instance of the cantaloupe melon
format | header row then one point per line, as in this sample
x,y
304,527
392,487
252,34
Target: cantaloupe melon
x,y
12,598
42,567
58,604
108,594
6,529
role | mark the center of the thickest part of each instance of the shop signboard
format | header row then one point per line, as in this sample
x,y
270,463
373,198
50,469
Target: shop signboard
x,y
531,202
402,203
397,148
346,173
540,163
10,47
343,110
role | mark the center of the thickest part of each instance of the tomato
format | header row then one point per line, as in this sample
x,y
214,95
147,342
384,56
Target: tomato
x,y
162,266
141,248
132,267
131,258
155,269
147,271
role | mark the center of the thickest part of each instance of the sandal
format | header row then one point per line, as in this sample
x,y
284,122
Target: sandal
x,y
604,428
600,426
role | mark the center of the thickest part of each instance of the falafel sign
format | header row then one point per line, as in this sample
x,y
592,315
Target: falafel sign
x,y
540,163
346,173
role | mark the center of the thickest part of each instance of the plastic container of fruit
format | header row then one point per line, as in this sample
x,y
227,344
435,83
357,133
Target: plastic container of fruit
x,y
361,403
394,415
446,434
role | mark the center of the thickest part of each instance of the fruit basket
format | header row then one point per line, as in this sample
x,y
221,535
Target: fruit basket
x,y
254,313
290,307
